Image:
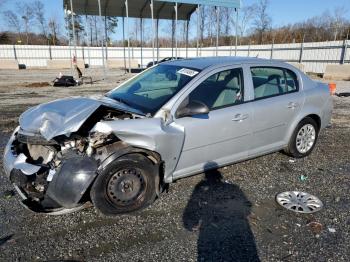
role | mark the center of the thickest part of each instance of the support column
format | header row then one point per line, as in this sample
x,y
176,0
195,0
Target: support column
x,y
344,51
127,32
124,52
103,57
69,40
301,51
141,40
236,32
152,12
198,28
272,47
172,36
157,37
249,48
176,30
187,25
106,36
217,30
73,28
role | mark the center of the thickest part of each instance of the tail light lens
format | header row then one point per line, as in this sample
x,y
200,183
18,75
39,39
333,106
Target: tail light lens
x,y
332,88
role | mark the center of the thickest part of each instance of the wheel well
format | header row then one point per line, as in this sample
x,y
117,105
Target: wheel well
x,y
316,118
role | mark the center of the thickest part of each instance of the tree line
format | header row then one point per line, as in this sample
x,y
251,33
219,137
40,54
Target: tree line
x,y
28,24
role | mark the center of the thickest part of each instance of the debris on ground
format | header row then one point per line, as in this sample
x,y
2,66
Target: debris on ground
x,y
345,94
315,227
331,230
8,194
38,84
292,160
65,81
303,178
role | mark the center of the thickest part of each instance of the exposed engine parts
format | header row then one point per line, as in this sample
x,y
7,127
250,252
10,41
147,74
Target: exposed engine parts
x,y
75,158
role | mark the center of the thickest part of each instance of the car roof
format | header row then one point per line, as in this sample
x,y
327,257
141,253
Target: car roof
x,y
201,63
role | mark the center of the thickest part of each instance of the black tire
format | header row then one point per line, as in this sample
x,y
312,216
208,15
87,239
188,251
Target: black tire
x,y
134,173
291,149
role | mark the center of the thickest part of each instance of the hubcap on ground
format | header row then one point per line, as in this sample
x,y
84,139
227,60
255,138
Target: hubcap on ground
x,y
299,202
125,186
305,138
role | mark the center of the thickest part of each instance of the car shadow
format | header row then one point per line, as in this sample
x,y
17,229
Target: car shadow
x,y
219,210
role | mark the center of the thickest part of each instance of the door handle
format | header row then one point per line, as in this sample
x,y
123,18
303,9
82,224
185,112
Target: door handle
x,y
239,117
292,105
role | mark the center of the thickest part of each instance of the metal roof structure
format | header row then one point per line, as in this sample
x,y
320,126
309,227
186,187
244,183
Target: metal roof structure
x,y
163,9
154,9
137,8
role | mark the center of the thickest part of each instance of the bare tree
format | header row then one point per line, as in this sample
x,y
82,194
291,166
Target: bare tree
x,y
39,14
226,20
262,21
339,14
246,16
111,23
53,28
26,12
13,22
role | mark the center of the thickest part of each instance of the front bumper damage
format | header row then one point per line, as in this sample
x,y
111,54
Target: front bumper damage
x,y
66,185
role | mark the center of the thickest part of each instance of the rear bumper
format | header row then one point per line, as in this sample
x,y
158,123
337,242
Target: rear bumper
x,y
327,112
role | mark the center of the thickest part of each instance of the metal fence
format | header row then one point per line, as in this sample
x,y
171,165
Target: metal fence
x,y
314,56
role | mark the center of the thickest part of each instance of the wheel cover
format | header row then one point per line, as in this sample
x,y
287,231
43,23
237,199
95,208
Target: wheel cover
x,y
299,202
305,138
126,186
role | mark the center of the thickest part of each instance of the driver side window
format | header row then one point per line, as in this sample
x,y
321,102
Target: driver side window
x,y
220,90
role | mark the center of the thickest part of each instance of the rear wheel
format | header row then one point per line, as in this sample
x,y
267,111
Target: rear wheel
x,y
303,139
125,185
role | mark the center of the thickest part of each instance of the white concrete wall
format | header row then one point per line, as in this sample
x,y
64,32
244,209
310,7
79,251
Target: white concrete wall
x,y
315,55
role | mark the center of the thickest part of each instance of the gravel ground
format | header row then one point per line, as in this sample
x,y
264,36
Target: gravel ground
x,y
198,215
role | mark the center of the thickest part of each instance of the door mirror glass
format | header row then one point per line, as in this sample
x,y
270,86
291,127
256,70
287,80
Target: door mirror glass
x,y
191,109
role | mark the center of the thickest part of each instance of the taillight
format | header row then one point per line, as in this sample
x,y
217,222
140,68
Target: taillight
x,y
332,88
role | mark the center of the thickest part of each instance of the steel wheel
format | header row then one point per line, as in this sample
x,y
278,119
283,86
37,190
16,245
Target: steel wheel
x,y
299,202
126,186
305,138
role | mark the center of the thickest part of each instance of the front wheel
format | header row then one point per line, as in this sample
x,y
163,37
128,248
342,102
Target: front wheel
x,y
125,185
303,139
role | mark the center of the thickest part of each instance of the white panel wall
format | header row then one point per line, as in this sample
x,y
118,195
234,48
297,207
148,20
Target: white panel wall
x,y
315,56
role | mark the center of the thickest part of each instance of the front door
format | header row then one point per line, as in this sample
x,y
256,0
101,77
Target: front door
x,y
221,136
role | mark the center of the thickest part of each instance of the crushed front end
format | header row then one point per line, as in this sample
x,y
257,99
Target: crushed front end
x,y
53,176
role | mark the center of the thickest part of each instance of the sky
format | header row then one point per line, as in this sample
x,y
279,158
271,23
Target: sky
x,y
283,12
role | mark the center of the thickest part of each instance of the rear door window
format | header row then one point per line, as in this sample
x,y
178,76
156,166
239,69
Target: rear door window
x,y
273,81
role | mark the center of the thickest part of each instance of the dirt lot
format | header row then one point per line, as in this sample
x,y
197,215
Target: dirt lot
x,y
237,213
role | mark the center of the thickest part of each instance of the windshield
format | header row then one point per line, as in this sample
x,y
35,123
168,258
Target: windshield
x,y
150,90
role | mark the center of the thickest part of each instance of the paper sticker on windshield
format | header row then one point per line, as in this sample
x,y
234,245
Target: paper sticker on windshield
x,y
188,72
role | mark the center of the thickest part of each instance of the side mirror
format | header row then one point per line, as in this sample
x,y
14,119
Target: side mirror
x,y
191,109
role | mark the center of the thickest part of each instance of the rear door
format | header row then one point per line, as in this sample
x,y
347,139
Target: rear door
x,y
277,101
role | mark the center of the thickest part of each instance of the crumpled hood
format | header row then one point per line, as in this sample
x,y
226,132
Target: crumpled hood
x,y
64,116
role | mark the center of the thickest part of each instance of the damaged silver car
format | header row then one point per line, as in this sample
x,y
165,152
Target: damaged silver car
x,y
120,150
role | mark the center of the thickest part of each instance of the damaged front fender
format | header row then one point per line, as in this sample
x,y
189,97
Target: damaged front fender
x,y
151,134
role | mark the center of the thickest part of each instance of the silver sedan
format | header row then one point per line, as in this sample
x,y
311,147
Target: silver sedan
x,y
173,120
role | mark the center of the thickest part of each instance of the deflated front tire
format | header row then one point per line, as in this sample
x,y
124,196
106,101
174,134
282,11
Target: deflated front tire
x,y
127,184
